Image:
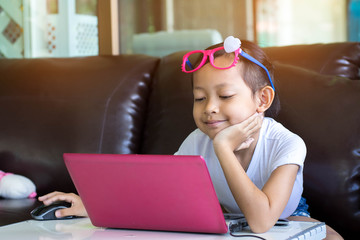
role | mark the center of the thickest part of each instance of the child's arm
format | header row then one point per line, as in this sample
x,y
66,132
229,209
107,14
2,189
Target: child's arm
x,y
261,207
77,207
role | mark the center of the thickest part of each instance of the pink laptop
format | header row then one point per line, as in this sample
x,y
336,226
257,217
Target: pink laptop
x,y
149,192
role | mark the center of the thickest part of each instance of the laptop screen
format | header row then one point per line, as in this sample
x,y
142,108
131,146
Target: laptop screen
x,y
150,192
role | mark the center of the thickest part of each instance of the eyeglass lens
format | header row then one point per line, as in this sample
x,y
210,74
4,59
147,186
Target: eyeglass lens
x,y
195,59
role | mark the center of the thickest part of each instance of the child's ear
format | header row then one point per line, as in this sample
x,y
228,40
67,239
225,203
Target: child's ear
x,y
265,97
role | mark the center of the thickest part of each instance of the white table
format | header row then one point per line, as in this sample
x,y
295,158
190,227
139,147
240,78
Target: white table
x,y
82,228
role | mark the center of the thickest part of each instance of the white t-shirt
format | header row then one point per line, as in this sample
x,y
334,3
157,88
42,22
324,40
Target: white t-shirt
x,y
276,146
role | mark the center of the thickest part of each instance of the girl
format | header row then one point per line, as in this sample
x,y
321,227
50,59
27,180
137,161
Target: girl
x,y
255,163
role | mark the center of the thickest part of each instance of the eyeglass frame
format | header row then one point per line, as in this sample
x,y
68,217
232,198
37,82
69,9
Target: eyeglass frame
x,y
210,53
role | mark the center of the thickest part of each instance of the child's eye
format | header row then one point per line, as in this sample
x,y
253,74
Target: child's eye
x,y
199,99
226,96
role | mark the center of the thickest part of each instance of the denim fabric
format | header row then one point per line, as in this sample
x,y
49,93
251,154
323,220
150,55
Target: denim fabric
x,y
302,209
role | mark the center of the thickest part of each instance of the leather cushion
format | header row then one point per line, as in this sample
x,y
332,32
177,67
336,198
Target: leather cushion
x,y
169,118
324,111
51,106
339,59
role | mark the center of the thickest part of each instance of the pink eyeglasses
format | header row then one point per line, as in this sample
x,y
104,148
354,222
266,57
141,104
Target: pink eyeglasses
x,y
193,57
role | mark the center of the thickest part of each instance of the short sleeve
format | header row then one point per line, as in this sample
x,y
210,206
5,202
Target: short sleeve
x,y
291,150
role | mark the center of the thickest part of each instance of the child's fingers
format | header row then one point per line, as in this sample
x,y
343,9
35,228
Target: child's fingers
x,y
49,196
251,118
65,212
77,207
252,124
237,136
255,125
245,144
56,196
44,197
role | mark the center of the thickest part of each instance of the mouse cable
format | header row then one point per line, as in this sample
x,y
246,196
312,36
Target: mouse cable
x,y
247,235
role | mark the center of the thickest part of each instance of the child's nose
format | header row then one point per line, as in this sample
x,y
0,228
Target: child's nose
x,y
211,107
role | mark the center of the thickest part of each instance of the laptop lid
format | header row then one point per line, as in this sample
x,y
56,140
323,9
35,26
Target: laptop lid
x,y
149,192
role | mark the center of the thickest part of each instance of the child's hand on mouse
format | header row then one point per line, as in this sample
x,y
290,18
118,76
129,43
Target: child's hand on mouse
x,y
239,136
77,207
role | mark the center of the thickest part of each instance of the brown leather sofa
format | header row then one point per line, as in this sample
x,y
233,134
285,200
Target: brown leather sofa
x,y
141,104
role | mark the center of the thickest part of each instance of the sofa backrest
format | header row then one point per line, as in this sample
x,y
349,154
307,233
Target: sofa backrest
x,y
51,106
337,59
169,117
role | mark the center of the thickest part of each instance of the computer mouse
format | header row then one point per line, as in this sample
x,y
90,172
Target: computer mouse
x,y
48,212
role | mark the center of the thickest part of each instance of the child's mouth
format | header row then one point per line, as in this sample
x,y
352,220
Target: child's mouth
x,y
214,123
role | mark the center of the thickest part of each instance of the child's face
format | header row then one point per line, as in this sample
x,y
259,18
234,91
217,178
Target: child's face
x,y
221,98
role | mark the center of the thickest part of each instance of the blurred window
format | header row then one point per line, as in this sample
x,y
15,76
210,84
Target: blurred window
x,y
288,22
67,28
48,28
